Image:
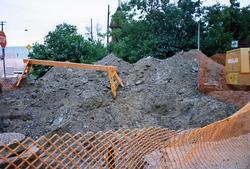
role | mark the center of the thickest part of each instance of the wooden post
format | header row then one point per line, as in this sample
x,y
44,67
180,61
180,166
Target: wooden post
x,y
25,71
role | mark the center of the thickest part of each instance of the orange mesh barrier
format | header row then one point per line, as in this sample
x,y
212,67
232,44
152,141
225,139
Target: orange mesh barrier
x,y
224,144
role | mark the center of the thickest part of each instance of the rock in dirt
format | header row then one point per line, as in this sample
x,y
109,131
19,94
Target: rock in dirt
x,y
10,138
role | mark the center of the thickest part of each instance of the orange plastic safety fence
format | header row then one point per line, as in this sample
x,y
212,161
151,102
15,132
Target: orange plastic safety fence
x,y
223,144
137,148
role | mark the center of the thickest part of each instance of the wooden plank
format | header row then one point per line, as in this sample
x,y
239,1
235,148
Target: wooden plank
x,y
114,79
68,65
233,61
21,77
245,60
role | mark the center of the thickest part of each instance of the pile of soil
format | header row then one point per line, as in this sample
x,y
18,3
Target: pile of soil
x,y
219,58
157,93
8,84
212,80
212,75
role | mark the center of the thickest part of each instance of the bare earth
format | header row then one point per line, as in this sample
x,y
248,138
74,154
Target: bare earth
x,y
157,93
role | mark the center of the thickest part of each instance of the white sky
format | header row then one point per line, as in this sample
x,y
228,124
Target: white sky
x,y
41,16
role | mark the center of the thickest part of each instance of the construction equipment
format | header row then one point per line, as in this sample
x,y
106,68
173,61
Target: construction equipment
x,y
238,66
114,78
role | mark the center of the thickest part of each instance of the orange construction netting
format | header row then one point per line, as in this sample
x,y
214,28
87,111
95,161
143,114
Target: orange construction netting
x,y
223,144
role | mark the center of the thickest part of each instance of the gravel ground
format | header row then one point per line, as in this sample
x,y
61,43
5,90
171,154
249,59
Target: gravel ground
x,y
157,93
10,138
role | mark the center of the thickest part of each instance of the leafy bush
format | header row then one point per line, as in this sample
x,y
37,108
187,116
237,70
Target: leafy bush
x,y
66,44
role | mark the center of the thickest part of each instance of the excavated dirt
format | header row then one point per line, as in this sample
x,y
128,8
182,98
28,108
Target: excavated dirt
x,y
212,75
156,93
212,80
8,84
219,58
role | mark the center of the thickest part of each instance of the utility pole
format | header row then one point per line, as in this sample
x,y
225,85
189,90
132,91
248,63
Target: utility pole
x,y
199,25
119,3
3,51
2,24
91,29
108,26
198,35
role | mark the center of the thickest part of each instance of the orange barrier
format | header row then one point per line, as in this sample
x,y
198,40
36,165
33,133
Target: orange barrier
x,y
223,144
114,78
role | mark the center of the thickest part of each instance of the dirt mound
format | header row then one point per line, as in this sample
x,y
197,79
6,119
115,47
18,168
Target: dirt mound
x,y
238,98
8,83
156,93
212,76
219,58
212,80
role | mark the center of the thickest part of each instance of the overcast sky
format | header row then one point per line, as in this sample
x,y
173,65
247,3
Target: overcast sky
x,y
41,16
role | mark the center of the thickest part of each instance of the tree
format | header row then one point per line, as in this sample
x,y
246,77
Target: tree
x,y
66,44
160,29
225,24
215,38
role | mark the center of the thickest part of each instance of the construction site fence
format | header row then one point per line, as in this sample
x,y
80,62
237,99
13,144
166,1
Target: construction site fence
x,y
147,148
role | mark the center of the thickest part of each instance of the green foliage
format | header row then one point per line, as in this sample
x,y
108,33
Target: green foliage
x,y
66,44
224,24
92,51
133,41
160,29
